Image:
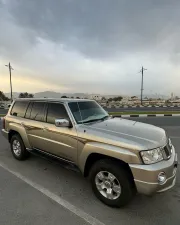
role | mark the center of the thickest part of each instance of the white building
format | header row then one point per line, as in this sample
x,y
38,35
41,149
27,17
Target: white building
x,y
96,97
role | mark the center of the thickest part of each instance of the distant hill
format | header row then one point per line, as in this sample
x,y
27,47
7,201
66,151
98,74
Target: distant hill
x,y
47,94
52,94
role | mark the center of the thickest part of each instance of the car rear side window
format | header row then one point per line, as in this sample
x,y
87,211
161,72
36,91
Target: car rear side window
x,y
28,112
37,112
56,111
19,108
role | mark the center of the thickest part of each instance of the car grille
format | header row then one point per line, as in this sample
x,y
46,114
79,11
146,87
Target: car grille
x,y
167,150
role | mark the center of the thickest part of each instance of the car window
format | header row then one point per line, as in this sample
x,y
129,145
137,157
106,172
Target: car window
x,y
56,111
37,112
87,111
75,110
19,108
28,112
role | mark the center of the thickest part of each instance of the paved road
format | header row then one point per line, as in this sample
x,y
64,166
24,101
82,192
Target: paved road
x,y
3,111
21,203
169,122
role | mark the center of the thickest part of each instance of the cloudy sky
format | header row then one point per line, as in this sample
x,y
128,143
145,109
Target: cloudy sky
x,y
91,46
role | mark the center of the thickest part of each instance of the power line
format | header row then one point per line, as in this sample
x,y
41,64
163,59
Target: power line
x,y
10,68
142,82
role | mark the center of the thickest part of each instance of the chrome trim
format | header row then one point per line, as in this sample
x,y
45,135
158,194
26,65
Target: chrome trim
x,y
169,187
62,123
108,185
164,153
47,139
29,149
16,146
4,131
52,155
144,182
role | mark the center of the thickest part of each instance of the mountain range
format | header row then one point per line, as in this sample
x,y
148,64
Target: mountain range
x,y
52,94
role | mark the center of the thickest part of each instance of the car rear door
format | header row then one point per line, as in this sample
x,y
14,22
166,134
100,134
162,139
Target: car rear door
x,y
35,125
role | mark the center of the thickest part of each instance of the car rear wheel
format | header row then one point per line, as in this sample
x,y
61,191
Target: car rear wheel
x,y
17,147
111,183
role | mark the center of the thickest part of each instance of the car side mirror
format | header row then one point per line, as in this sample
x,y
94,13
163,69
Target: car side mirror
x,y
63,123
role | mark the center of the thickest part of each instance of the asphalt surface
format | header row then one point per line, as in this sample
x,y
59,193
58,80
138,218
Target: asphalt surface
x,y
3,111
22,201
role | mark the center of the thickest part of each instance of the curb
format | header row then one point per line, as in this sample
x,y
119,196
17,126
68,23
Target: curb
x,y
147,115
140,106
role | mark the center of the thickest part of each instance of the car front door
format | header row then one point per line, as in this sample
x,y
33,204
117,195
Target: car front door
x,y
63,140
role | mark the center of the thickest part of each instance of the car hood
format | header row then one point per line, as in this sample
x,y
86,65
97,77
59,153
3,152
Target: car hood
x,y
124,133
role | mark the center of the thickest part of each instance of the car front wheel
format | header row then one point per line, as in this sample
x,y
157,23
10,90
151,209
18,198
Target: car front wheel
x,y
111,183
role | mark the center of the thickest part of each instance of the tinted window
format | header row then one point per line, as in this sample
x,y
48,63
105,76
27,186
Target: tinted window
x,y
28,112
56,111
37,112
19,108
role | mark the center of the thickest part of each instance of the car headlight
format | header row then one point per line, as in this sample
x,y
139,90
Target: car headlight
x,y
152,156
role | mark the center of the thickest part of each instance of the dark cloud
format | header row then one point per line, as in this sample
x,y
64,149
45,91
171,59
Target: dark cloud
x,y
101,28
93,45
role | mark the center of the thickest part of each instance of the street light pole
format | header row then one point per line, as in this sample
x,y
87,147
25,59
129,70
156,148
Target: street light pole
x,y
10,68
142,82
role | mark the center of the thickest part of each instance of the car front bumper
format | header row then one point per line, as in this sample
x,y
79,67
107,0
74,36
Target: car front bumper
x,y
146,176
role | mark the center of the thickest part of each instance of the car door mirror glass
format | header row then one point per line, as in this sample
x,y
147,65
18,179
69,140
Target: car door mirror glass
x,y
62,123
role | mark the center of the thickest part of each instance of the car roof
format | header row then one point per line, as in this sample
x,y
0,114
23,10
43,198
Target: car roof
x,y
54,99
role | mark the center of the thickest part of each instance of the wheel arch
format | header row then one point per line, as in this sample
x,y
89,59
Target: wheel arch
x,y
17,129
94,157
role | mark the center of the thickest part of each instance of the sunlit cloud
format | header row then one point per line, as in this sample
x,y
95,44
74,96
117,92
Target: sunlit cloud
x,y
90,46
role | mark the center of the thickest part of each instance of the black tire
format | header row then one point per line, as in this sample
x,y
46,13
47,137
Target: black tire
x,y
123,177
23,154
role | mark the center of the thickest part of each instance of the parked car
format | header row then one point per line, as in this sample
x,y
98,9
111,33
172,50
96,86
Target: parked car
x,y
121,157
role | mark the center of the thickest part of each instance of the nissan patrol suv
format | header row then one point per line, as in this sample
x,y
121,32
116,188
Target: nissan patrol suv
x,y
121,157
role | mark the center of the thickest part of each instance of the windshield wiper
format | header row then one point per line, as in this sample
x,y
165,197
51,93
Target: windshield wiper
x,y
105,117
94,120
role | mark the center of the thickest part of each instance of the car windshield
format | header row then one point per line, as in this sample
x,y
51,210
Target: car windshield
x,y
87,111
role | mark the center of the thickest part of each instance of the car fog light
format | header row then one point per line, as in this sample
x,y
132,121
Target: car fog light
x,y
162,178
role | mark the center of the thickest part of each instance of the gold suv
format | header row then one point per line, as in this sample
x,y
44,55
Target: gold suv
x,y
120,156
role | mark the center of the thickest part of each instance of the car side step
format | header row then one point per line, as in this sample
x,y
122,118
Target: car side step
x,y
54,159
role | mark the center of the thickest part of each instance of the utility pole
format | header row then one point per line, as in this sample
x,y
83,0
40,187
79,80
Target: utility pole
x,y
10,68
142,82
